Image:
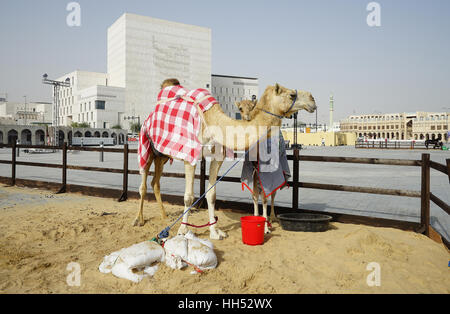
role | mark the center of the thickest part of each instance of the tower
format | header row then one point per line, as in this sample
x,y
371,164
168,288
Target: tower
x,y
331,111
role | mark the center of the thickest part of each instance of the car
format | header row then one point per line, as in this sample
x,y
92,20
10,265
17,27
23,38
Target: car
x,y
436,142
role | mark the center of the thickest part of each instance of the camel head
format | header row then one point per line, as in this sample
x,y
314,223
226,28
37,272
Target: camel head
x,y
281,99
246,108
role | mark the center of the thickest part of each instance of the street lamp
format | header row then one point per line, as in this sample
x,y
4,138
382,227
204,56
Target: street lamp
x,y
25,122
317,109
56,87
133,118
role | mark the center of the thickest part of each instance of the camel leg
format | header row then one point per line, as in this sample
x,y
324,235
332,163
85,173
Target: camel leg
x,y
189,172
139,221
214,233
255,196
159,166
264,202
273,217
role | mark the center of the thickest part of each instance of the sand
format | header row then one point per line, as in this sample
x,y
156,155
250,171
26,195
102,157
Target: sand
x,y
41,233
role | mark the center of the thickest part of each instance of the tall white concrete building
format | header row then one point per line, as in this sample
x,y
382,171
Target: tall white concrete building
x,y
230,89
144,51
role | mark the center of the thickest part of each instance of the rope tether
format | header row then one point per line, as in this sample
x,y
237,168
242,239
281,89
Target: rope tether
x,y
202,226
165,233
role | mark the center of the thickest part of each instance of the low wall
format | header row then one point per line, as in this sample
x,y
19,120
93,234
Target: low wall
x,y
331,138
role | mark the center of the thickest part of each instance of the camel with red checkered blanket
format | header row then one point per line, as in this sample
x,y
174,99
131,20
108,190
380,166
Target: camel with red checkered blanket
x,y
222,132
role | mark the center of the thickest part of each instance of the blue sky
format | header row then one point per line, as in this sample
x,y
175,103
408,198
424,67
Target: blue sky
x,y
323,46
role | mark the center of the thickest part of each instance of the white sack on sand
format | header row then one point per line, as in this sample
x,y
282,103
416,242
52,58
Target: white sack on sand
x,y
135,262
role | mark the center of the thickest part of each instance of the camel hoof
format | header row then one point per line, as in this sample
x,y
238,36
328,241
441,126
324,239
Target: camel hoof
x,y
138,223
217,234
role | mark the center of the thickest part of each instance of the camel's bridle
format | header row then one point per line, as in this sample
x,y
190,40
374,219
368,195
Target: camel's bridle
x,y
284,115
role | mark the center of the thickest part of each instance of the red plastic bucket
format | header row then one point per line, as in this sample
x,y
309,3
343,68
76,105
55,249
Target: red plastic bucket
x,y
253,230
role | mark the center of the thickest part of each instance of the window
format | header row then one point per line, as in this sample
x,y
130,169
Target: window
x,y
92,116
89,106
100,104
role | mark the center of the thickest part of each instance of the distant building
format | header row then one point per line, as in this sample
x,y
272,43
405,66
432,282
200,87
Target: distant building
x,y
144,51
399,126
230,89
89,99
141,53
29,113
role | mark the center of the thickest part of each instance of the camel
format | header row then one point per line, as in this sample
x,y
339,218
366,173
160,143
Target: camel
x,y
223,131
246,108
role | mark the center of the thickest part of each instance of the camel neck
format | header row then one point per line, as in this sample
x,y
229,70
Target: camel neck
x,y
237,134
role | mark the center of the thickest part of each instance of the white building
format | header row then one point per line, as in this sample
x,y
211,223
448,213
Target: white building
x,y
101,106
89,100
25,113
230,89
144,51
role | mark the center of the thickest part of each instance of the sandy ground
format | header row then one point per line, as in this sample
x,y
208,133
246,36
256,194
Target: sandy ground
x,y
41,233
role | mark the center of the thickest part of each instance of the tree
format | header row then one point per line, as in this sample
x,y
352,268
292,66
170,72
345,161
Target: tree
x,y
117,126
135,127
80,125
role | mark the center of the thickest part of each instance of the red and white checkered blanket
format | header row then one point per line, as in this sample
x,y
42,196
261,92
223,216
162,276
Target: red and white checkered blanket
x,y
174,125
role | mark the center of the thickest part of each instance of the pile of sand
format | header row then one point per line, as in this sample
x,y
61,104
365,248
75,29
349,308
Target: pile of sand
x,y
41,233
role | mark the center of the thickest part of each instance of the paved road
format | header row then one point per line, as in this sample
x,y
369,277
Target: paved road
x,y
391,207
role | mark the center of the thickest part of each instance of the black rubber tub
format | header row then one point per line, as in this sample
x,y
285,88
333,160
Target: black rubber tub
x,y
304,222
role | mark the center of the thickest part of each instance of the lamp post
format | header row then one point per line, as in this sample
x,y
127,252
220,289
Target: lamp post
x,y
295,130
317,109
133,118
25,113
56,87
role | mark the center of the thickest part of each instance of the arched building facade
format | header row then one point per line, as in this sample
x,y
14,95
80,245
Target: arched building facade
x,y
399,126
39,135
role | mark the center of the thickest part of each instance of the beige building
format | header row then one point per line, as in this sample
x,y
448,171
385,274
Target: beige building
x,y
25,113
399,126
320,138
